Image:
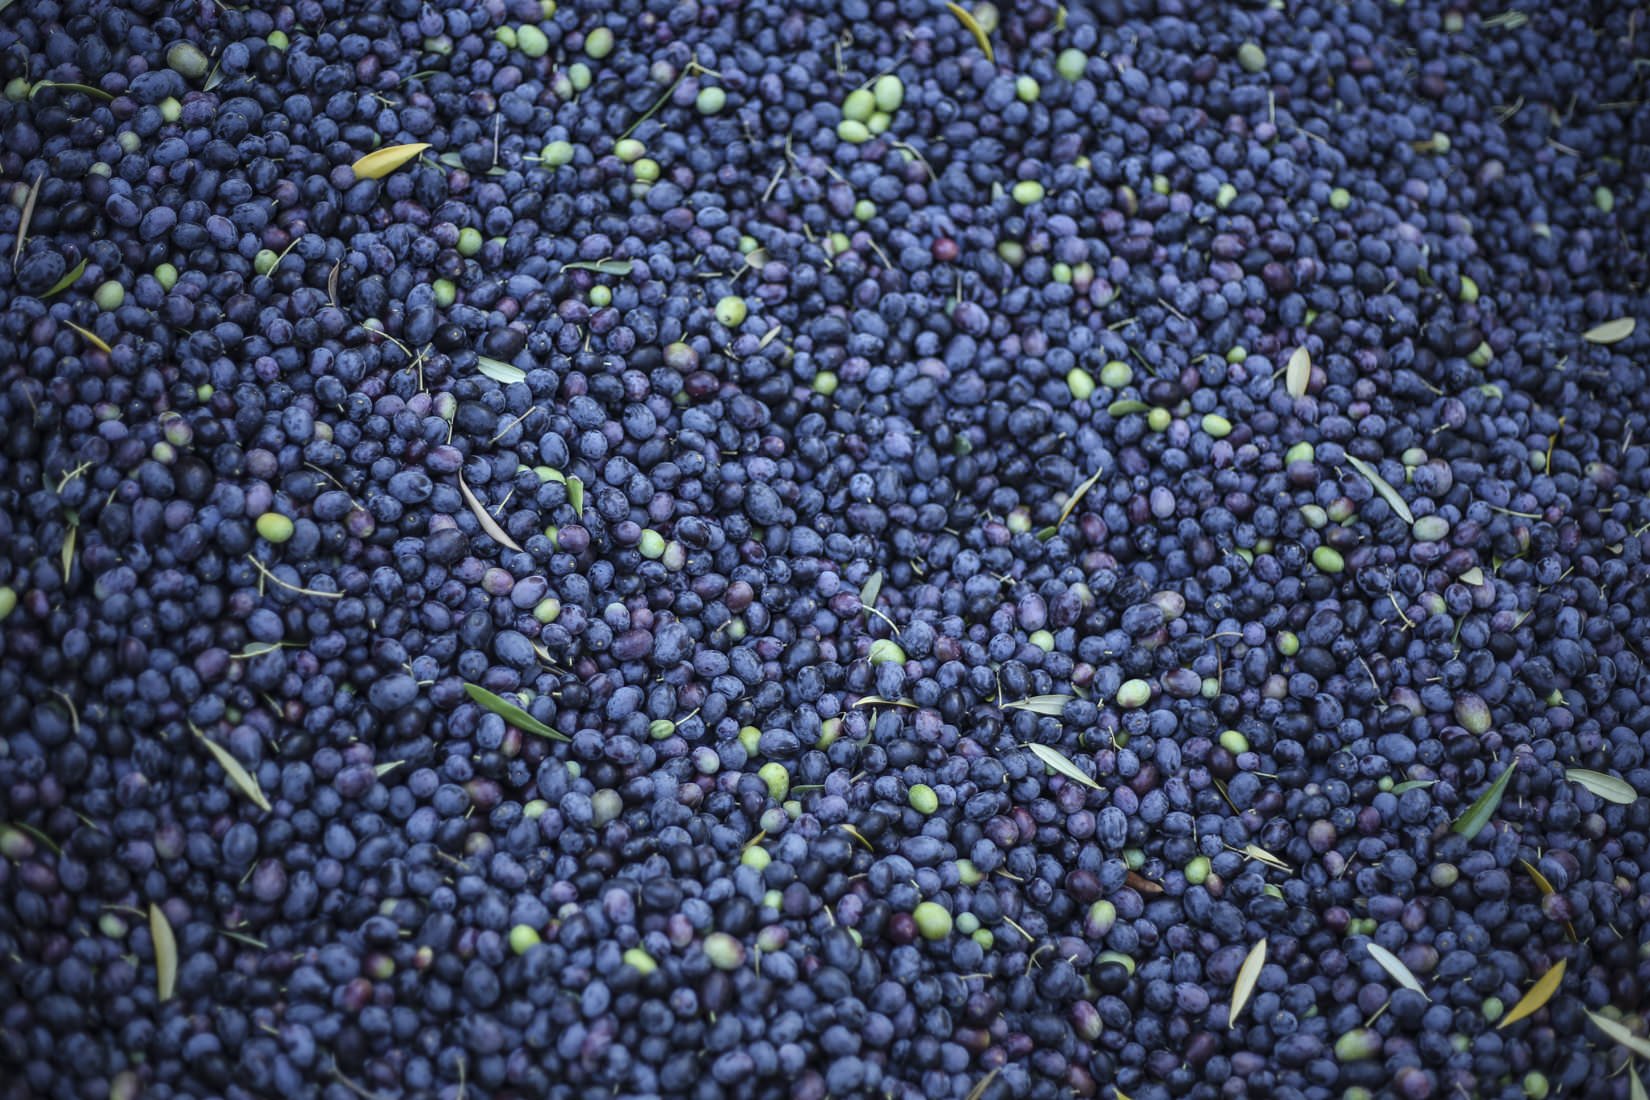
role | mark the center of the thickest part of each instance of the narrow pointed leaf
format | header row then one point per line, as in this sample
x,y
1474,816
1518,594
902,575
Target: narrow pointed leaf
x,y
857,835
1077,496
50,844
966,18
68,86
256,649
1413,785
90,337
1619,1034
879,701
488,523
601,267
68,281
1471,823
1540,993
512,714
1394,966
1473,576
1537,877
1607,787
1248,975
499,371
1056,760
381,162
1050,705
1140,884
575,495
237,773
1298,373
23,223
1127,405
166,953
1388,493
68,551
1635,1087
1611,332
872,588
1546,888
1256,852
384,769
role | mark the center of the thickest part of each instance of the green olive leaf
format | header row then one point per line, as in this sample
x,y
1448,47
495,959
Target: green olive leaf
x,y
1056,760
511,713
499,371
1471,823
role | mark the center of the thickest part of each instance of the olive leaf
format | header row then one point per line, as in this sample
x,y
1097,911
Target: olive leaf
x,y
1077,495
966,18
499,371
1057,761
1607,787
1546,888
1298,373
857,835
1126,405
68,550
34,832
241,937
166,953
1256,852
1619,1034
68,86
91,338
1539,994
575,495
1539,879
23,224
879,701
1141,884
257,649
236,771
488,523
1473,576
1248,975
511,713
1388,493
601,267
1050,705
68,281
1611,332
1394,966
1471,823
1413,785
1635,1087
381,162
386,768
869,592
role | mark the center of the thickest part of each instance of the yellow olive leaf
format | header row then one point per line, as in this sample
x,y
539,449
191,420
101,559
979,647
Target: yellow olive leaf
x,y
1540,993
381,162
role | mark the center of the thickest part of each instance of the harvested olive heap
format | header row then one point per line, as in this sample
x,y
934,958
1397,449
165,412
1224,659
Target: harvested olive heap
x,y
829,549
